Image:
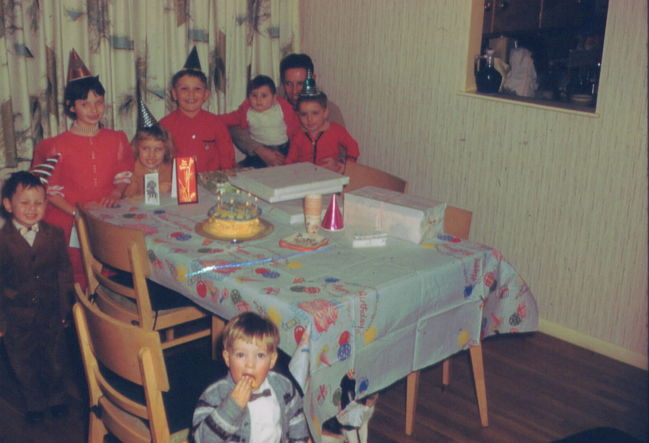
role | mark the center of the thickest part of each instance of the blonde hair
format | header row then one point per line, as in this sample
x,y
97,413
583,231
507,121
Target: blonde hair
x,y
251,327
157,133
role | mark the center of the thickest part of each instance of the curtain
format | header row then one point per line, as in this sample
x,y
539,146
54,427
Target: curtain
x,y
129,42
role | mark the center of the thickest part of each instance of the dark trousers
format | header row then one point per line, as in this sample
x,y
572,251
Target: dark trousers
x,y
37,356
253,161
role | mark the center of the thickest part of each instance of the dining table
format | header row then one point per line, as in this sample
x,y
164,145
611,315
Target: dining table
x,y
375,313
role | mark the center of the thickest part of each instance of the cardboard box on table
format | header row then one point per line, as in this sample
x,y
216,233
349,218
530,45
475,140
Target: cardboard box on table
x,y
404,216
289,182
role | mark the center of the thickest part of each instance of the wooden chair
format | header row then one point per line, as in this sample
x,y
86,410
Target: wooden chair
x,y
134,354
361,175
457,222
128,295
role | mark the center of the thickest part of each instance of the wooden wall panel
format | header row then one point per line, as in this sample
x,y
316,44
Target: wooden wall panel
x,y
563,196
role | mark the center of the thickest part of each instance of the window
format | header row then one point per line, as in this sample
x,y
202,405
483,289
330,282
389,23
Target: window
x,y
547,52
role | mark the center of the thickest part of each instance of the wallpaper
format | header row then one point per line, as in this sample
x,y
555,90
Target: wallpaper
x,y
562,195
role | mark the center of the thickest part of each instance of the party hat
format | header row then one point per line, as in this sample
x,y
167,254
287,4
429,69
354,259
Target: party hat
x,y
192,61
309,88
44,170
145,120
76,68
333,218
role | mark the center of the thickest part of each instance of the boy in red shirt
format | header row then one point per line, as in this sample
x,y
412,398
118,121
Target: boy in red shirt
x,y
196,132
322,142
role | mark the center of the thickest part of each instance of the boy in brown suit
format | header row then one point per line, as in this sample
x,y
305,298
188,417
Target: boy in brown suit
x,y
35,286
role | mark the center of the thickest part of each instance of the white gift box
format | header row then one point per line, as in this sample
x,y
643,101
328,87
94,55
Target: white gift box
x,y
404,216
289,182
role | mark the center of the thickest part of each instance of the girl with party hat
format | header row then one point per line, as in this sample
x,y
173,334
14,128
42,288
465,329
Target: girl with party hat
x,y
154,152
94,163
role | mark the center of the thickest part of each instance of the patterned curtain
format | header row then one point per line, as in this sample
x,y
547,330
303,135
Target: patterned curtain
x,y
128,42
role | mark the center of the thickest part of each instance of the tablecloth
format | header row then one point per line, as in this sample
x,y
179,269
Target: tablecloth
x,y
382,312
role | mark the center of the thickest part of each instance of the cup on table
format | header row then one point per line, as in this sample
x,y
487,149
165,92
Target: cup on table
x,y
312,212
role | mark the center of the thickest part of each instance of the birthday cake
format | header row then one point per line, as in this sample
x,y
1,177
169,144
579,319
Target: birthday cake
x,y
234,219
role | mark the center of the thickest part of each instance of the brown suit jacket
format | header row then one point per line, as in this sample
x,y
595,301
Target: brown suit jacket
x,y
35,281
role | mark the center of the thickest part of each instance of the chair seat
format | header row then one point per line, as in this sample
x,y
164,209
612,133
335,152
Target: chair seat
x,y
162,298
129,303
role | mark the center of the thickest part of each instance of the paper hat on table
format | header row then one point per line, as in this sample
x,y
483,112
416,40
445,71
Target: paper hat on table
x,y
192,61
333,218
145,120
76,68
309,89
45,169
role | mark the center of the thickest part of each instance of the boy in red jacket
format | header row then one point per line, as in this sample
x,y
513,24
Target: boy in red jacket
x,y
321,142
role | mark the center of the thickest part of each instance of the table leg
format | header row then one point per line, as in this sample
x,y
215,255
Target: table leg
x,y
446,373
412,385
479,382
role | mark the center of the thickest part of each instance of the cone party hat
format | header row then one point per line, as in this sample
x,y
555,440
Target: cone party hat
x,y
145,119
76,68
309,88
333,218
192,61
44,170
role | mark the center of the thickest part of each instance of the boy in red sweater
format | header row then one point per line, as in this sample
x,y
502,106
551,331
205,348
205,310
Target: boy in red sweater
x,y
322,142
196,132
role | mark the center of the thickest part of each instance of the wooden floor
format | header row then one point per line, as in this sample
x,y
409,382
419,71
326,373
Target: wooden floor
x,y
539,389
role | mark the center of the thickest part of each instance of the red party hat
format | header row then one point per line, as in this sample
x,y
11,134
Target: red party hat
x,y
333,218
76,68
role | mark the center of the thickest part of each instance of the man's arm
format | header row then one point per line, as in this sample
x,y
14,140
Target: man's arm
x,y
245,143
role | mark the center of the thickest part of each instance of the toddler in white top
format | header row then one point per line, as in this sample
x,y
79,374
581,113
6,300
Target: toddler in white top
x,y
271,120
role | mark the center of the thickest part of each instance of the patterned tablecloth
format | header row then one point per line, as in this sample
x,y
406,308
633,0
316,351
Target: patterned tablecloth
x,y
382,312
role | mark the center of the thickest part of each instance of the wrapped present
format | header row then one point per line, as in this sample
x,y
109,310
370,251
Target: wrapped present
x,y
404,216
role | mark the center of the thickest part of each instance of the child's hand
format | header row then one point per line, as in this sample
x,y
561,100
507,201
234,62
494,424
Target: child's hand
x,y
111,199
242,390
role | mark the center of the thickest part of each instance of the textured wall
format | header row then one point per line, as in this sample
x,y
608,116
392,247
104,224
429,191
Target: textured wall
x,y
562,195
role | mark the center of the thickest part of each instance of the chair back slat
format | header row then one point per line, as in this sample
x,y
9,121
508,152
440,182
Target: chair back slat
x,y
104,244
361,175
457,222
110,243
115,344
